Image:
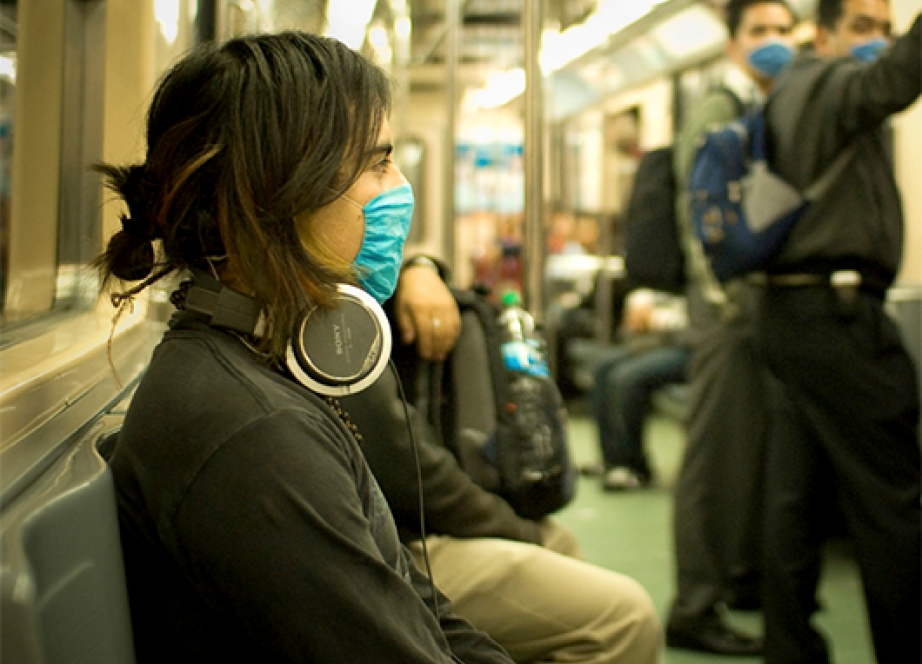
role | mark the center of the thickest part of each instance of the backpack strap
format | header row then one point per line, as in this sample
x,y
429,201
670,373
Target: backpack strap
x,y
740,108
823,183
786,116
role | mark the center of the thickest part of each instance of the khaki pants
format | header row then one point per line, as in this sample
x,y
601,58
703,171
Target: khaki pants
x,y
542,603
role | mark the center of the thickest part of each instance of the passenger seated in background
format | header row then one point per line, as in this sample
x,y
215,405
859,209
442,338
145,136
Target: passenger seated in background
x,y
252,528
521,581
653,353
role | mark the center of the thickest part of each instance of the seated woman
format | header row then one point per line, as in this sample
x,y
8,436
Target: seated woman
x,y
653,353
252,527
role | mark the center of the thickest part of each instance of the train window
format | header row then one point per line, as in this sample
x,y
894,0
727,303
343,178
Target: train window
x,y
79,221
50,128
55,101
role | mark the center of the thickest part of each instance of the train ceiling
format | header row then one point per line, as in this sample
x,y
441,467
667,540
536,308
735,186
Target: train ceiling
x,y
632,41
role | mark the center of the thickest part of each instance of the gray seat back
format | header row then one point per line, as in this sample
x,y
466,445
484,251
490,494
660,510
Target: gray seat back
x,y
64,598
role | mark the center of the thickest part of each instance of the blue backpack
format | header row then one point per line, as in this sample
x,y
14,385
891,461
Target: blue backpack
x,y
741,211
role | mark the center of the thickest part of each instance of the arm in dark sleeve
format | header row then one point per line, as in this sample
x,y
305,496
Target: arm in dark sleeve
x,y
821,105
454,504
868,95
282,529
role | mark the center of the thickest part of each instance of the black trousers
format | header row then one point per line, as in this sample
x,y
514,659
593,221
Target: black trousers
x,y
845,428
718,492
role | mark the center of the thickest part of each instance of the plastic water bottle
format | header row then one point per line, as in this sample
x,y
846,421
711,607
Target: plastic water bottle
x,y
518,323
522,350
527,444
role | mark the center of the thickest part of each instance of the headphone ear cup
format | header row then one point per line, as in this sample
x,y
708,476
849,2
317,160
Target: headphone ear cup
x,y
342,349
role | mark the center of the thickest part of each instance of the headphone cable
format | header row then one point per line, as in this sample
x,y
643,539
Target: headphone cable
x,y
419,486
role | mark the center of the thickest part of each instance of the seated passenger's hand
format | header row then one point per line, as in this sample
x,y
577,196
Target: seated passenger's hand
x,y
426,312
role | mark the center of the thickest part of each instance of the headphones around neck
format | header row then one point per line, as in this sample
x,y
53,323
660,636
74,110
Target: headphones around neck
x,y
333,351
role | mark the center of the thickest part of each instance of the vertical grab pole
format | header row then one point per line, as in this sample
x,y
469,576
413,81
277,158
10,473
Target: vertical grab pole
x,y
535,245
452,39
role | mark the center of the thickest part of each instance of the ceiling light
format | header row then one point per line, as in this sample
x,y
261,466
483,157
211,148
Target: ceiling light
x,y
347,21
689,32
166,14
501,88
611,16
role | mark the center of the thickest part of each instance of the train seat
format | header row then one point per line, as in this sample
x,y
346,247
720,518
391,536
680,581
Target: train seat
x,y
62,580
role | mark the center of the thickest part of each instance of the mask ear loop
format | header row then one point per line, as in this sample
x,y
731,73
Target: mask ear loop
x,y
342,194
361,272
211,261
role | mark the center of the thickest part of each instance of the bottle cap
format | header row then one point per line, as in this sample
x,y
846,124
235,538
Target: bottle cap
x,y
511,299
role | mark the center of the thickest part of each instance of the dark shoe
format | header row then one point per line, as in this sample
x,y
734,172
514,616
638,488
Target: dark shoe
x,y
743,591
744,602
711,634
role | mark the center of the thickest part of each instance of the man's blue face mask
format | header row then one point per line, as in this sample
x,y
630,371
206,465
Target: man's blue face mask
x,y
387,224
770,58
870,50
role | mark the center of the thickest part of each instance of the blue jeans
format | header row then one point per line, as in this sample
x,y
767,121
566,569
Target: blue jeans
x,y
624,382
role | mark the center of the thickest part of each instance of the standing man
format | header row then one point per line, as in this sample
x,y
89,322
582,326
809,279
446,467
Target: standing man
x,y
847,394
718,494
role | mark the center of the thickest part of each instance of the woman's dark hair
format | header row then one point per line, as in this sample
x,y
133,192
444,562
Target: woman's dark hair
x,y
243,138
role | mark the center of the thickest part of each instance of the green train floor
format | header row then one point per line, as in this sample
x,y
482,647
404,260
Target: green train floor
x,y
631,532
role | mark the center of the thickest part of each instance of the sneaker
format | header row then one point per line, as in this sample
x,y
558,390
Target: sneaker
x,y
621,478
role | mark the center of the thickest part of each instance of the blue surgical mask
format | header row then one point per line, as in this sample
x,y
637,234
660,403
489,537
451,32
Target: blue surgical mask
x,y
869,51
770,58
387,224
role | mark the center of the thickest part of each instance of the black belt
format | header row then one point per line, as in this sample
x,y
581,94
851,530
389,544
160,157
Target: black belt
x,y
844,281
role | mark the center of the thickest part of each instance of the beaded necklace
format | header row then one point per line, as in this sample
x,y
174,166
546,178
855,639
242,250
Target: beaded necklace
x,y
344,416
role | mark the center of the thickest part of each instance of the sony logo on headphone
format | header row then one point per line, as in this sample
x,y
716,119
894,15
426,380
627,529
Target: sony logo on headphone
x,y
338,339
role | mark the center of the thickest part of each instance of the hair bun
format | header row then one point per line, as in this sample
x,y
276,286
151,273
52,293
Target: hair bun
x,y
130,250
132,256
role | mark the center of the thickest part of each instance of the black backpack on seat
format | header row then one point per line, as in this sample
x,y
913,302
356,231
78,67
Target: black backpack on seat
x,y
507,429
